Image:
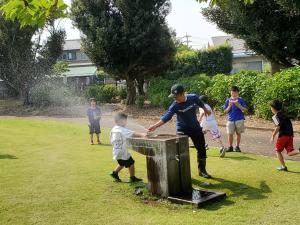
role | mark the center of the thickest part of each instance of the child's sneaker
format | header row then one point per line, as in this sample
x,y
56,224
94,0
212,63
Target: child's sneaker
x,y
282,168
229,149
222,151
237,149
115,176
134,179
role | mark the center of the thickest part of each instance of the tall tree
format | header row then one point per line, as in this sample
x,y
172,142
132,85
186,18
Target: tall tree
x,y
264,25
34,13
128,39
23,59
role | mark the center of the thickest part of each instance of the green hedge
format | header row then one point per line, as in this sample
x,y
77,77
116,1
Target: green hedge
x,y
159,89
284,86
102,93
210,61
247,81
257,89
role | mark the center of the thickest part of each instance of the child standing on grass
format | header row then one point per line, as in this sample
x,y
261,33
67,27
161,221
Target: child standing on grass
x,y
209,124
284,129
94,115
235,107
118,136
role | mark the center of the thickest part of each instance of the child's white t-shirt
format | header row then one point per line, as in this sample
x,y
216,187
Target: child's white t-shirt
x,y
118,137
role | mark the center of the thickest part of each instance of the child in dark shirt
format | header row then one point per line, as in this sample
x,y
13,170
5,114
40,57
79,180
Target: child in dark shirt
x,y
94,115
284,129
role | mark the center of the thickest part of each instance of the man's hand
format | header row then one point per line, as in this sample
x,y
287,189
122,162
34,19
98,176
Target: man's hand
x,y
152,128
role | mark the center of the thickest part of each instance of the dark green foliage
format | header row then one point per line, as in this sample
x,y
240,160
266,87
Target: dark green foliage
x,y
140,101
284,86
23,60
264,25
158,91
128,39
211,61
122,93
247,81
102,93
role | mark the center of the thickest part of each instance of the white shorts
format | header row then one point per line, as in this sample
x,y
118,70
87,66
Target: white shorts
x,y
212,127
235,127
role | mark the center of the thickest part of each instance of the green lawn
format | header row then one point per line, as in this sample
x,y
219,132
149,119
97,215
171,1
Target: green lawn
x,y
50,175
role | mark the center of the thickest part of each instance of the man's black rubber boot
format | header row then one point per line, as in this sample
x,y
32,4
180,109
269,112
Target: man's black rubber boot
x,y
201,168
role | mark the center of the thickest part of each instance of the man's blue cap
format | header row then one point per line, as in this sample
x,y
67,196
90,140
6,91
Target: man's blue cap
x,y
176,89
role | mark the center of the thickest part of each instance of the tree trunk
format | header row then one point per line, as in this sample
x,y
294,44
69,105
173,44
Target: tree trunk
x,y
276,67
24,94
131,92
140,86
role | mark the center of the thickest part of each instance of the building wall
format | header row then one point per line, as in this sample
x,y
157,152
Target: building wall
x,y
255,63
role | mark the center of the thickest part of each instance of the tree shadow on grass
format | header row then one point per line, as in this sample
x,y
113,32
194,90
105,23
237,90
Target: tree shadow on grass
x,y
6,156
237,190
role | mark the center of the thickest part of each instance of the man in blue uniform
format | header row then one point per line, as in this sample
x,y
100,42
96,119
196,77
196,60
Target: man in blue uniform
x,y
185,107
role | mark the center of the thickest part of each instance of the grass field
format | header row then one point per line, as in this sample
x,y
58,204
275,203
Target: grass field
x,y
49,175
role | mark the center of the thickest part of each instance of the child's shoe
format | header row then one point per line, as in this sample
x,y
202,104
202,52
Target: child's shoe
x,y
115,176
91,143
229,149
222,151
282,168
237,149
206,146
134,179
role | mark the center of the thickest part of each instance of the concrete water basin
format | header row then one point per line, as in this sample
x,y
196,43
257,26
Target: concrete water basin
x,y
168,163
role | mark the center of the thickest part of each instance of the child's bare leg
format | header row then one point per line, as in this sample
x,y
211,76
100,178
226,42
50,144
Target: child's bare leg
x,y
92,138
98,139
131,170
280,158
118,168
219,141
230,140
238,139
294,152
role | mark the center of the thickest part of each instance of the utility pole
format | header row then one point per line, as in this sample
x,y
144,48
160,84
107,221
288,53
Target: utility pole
x,y
187,40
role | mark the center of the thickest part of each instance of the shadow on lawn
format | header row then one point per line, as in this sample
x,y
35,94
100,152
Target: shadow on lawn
x,y
6,156
240,158
237,189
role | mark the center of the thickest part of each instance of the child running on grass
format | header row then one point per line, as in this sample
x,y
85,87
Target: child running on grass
x,y
209,124
284,129
94,115
118,136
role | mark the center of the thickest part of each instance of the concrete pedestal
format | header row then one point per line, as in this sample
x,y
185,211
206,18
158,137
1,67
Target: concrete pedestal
x,y
168,163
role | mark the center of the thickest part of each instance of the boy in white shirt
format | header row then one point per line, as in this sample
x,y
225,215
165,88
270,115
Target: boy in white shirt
x,y
118,136
209,123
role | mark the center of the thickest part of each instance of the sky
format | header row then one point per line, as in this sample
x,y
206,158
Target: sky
x,y
185,18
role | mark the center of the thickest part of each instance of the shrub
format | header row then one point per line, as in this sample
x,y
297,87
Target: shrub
x,y
285,86
140,100
212,61
102,93
49,93
196,84
247,81
158,92
122,93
